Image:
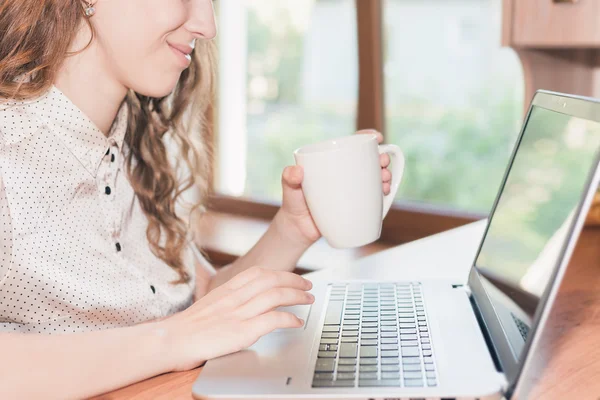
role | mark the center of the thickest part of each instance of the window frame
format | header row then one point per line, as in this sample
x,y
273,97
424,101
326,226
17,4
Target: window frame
x,y
406,221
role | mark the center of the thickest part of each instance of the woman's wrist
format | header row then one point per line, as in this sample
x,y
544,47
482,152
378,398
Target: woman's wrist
x,y
288,232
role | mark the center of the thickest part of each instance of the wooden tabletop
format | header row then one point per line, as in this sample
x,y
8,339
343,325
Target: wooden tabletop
x,y
568,364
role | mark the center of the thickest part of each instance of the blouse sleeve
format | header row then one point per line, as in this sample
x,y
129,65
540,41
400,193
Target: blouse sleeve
x,y
5,232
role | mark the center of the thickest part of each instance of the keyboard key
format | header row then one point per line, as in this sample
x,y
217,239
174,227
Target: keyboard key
x,y
407,326
425,340
368,368
348,322
428,360
413,383
427,353
430,375
325,365
351,317
368,342
390,375
369,314
390,353
327,354
370,325
333,314
368,336
388,347
411,360
388,329
346,361
408,337
349,340
368,352
348,350
352,312
378,383
431,382
367,375
350,328
408,331
341,383
368,361
389,323
350,333
413,375
330,335
388,317
345,375
329,341
410,352
389,334
429,367
369,330
324,376
369,319
389,340
409,343
411,367
390,368
389,361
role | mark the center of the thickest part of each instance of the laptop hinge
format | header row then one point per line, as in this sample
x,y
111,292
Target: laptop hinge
x,y
484,330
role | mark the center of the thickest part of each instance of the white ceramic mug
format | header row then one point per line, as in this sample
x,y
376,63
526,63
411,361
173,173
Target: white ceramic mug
x,y
343,187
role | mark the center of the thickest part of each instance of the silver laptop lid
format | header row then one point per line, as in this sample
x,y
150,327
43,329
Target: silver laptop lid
x,y
535,222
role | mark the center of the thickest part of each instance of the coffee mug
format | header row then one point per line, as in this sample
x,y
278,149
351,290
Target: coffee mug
x,y
343,188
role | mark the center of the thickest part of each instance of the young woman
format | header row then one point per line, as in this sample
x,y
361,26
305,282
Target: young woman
x,y
98,284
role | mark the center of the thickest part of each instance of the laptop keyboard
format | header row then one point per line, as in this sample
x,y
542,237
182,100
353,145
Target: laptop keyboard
x,y
375,335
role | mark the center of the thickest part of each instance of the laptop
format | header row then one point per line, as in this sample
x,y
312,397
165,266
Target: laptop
x,y
431,338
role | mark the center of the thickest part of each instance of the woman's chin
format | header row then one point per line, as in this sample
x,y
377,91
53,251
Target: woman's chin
x,y
157,89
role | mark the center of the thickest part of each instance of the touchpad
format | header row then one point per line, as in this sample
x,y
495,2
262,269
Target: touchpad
x,y
301,311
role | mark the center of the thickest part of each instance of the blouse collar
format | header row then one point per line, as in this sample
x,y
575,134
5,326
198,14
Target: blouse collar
x,y
79,134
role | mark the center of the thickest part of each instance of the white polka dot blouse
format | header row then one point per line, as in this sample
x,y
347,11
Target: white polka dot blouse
x,y
73,250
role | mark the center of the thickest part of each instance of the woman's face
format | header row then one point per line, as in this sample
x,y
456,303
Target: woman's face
x,y
146,43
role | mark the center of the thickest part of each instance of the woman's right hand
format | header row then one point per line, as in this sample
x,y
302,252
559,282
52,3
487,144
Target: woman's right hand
x,y
234,316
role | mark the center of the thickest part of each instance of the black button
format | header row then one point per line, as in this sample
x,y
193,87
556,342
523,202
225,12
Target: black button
x,y
107,190
112,158
153,289
108,151
118,245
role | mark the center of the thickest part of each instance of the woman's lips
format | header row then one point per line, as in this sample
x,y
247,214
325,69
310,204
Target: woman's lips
x,y
183,53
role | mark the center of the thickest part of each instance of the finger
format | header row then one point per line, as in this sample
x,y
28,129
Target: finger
x,y
292,176
367,131
268,322
386,175
263,281
271,299
221,295
384,160
386,188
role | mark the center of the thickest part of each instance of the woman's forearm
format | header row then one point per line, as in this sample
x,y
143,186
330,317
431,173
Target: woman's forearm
x,y
275,250
80,365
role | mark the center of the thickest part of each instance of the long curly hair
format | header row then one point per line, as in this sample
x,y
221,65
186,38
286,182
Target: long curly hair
x,y
25,52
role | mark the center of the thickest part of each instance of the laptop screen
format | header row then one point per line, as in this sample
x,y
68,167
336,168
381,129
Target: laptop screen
x,y
532,218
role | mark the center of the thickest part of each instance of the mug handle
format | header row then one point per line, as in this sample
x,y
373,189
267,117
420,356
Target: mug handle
x,y
397,159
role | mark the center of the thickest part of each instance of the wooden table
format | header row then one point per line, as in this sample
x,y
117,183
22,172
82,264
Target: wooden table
x,y
569,363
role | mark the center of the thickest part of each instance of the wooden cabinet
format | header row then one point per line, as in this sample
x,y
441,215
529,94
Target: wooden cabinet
x,y
558,43
556,24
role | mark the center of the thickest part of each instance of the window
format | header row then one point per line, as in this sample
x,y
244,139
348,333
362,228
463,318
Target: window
x,y
288,77
453,99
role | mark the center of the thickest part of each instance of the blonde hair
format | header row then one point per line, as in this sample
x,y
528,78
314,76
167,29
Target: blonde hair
x,y
28,67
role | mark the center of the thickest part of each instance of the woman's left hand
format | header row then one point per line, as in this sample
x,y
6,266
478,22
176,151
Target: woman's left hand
x,y
294,217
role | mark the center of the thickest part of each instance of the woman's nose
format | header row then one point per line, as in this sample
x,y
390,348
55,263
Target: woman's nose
x,y
201,22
